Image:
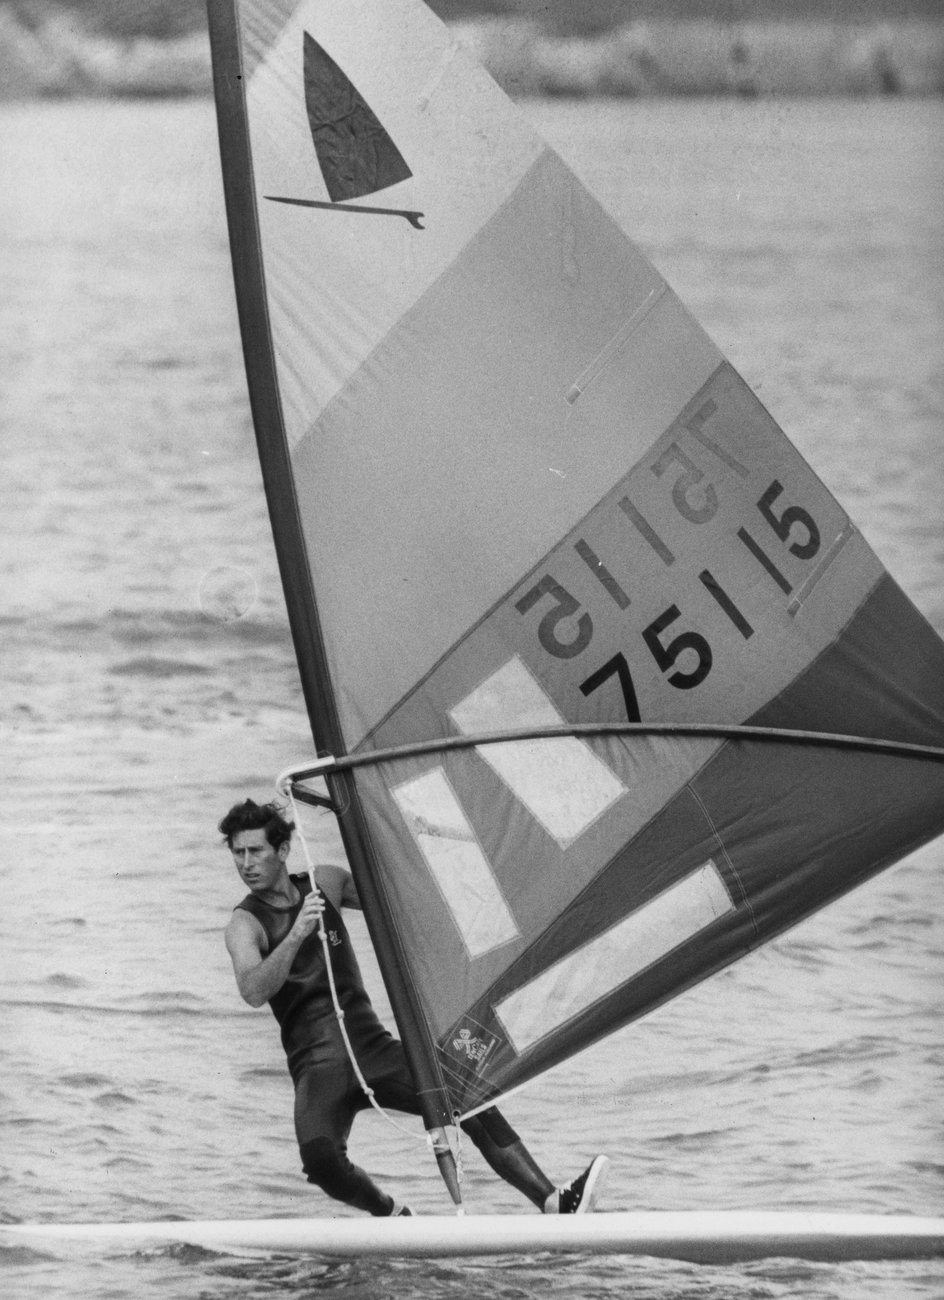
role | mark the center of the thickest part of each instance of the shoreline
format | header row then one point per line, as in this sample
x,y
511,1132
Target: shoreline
x,y
56,59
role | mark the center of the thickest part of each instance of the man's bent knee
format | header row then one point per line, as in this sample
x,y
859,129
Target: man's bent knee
x,y
491,1124
327,1166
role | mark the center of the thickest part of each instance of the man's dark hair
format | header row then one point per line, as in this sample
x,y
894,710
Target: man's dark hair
x,y
252,816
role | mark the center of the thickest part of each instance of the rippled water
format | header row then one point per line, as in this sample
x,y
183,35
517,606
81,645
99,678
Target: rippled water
x,y
149,681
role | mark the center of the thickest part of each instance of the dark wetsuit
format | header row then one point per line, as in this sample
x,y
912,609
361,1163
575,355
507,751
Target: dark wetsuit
x,y
327,1092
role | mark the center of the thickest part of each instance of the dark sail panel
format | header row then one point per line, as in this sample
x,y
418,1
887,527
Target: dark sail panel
x,y
356,154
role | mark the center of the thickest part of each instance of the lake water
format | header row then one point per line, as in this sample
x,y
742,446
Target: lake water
x,y
149,682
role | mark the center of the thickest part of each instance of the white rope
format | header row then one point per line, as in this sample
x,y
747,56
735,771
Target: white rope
x,y
338,1009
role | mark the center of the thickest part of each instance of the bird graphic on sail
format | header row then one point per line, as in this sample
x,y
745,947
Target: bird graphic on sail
x,y
356,155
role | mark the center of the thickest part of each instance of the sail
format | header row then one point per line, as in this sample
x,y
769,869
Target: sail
x,y
615,688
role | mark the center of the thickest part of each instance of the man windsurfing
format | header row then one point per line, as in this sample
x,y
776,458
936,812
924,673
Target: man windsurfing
x,y
278,957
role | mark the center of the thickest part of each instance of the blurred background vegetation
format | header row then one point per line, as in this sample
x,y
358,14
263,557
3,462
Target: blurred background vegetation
x,y
57,48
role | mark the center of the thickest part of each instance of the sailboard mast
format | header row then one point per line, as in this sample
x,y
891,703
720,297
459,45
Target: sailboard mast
x,y
249,276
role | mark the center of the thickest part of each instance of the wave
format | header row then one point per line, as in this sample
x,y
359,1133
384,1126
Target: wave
x,y
145,627
59,980
867,1047
115,1099
153,622
106,1009
85,1080
14,1256
690,1141
155,666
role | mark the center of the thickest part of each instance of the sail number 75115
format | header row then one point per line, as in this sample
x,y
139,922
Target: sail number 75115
x,y
565,628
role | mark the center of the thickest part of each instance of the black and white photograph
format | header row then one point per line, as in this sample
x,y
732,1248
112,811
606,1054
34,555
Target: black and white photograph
x,y
473,649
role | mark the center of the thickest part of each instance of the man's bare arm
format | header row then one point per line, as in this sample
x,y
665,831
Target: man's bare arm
x,y
259,977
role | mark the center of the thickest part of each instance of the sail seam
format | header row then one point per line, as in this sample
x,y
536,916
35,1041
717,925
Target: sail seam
x,y
615,344
745,897
819,572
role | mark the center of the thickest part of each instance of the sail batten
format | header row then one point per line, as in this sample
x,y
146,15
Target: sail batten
x,y
614,689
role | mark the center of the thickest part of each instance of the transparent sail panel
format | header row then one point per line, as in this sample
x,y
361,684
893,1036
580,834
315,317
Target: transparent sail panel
x,y
625,950
458,865
560,781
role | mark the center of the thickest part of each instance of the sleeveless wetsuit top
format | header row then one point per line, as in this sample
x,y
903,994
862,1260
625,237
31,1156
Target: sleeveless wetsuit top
x,y
303,1006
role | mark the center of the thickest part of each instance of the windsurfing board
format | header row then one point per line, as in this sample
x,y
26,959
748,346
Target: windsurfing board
x,y
707,1237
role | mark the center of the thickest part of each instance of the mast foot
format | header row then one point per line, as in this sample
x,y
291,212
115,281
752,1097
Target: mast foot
x,y
445,1158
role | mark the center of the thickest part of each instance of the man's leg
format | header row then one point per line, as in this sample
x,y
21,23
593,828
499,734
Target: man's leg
x,y
325,1106
510,1158
508,1155
489,1131
498,1142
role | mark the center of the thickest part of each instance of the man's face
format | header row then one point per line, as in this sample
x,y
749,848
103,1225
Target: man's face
x,y
259,864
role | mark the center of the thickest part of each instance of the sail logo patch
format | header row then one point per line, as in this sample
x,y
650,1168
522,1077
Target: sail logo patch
x,y
475,1049
468,1054
356,154
467,1047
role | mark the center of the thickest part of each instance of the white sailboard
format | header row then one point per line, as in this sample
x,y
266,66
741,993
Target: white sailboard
x,y
705,1237
606,687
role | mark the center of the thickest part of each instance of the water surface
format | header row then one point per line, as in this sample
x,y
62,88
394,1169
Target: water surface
x,y
149,682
